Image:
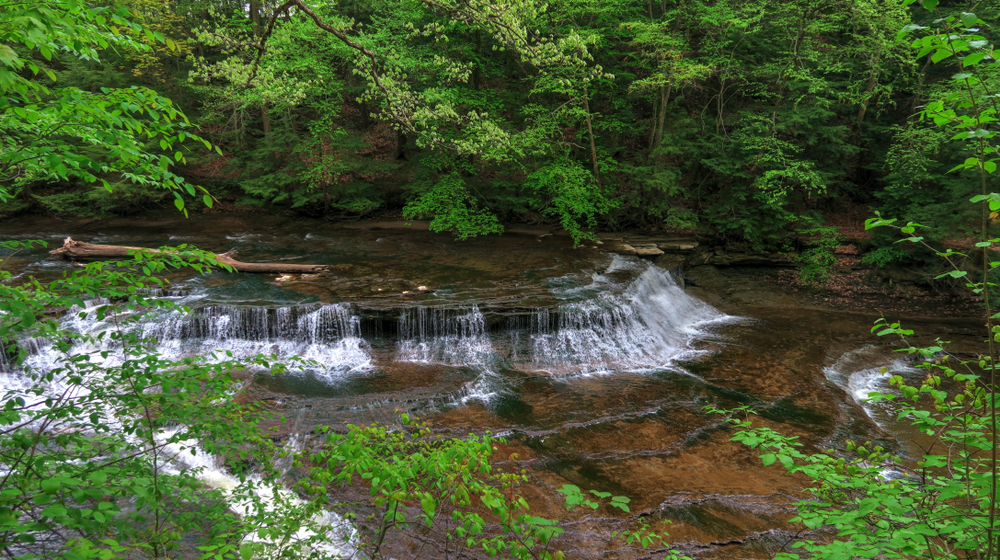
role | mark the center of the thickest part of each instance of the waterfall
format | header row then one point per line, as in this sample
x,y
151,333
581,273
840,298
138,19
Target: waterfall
x,y
328,334
648,326
446,336
632,316
455,338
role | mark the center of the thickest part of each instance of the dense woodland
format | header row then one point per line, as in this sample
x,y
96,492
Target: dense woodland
x,y
755,122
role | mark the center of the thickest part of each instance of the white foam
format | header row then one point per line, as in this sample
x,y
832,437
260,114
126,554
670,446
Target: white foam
x,y
332,536
649,326
865,371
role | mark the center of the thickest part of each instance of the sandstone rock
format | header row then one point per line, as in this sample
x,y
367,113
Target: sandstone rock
x,y
648,251
670,262
678,246
622,249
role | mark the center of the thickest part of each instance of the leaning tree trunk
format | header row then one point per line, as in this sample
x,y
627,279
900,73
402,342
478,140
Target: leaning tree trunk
x,y
72,249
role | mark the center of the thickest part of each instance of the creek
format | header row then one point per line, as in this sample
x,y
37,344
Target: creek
x,y
595,366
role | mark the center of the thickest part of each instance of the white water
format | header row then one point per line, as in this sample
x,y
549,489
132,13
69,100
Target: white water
x,y
865,371
455,338
444,336
328,335
651,325
602,327
339,539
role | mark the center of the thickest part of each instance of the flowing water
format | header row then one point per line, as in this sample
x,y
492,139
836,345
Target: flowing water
x,y
596,367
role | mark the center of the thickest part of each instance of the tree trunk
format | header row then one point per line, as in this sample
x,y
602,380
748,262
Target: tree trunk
x,y
265,115
475,69
80,250
255,16
593,148
664,99
872,80
652,131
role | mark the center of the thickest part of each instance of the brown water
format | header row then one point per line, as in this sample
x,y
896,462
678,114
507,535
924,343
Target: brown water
x,y
509,338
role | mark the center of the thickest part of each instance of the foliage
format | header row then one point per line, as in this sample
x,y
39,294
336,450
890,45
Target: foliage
x,y
61,133
735,134
943,504
882,256
817,262
734,118
939,508
453,209
573,196
90,441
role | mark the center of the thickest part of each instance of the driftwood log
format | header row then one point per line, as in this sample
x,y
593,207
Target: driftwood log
x,y
73,249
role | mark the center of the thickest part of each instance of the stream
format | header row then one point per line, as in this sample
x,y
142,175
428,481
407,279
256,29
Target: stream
x,y
595,366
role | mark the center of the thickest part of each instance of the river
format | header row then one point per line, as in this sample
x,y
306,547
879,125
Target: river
x,y
595,366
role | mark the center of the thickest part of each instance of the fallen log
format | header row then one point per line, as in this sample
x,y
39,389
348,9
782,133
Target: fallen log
x,y
229,258
73,249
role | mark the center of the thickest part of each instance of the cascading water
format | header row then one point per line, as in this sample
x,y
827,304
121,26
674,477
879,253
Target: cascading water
x,y
454,338
648,326
867,370
321,327
328,334
632,316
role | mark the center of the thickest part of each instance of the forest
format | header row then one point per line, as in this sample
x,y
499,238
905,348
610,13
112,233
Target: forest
x,y
753,122
405,396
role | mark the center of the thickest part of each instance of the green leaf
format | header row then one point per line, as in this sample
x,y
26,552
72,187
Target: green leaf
x,y
941,53
973,58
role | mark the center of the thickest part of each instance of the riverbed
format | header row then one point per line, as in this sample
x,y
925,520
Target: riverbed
x,y
595,366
